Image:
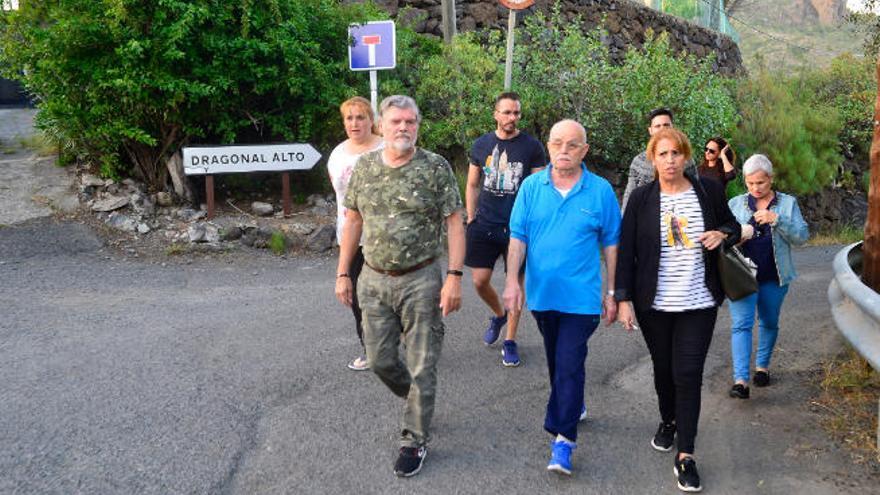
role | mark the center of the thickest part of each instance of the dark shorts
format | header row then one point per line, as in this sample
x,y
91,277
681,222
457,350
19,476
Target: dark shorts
x,y
485,243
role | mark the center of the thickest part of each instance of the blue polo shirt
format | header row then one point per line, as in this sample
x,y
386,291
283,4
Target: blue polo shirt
x,y
563,238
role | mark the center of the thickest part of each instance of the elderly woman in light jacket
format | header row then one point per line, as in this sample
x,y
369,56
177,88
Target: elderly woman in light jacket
x,y
771,223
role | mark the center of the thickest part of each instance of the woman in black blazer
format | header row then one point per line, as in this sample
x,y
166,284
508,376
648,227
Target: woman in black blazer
x,y
667,278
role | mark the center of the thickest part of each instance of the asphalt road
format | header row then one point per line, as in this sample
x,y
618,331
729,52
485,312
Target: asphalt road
x,y
226,374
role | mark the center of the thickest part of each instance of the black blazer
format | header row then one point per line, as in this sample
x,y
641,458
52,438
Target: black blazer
x,y
638,258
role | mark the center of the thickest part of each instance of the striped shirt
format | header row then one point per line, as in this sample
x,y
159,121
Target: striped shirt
x,y
681,282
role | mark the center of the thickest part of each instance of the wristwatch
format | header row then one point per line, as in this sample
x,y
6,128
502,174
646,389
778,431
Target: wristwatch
x,y
610,292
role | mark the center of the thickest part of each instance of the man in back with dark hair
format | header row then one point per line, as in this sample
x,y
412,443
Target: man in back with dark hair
x,y
499,161
641,170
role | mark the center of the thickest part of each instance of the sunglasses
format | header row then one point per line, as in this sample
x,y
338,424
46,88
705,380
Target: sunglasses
x,y
710,150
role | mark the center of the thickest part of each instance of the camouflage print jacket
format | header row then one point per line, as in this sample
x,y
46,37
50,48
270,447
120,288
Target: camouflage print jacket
x,y
404,208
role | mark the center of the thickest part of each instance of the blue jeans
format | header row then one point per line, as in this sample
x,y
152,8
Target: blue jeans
x,y
768,301
565,344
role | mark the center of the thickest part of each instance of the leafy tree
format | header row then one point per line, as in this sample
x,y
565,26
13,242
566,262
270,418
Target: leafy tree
x,y
869,23
849,85
799,137
456,91
129,82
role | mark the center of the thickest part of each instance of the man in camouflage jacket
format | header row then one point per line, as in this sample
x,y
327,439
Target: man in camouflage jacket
x,y
400,198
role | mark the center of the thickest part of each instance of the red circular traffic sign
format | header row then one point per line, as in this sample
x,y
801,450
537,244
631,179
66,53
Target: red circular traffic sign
x,y
517,4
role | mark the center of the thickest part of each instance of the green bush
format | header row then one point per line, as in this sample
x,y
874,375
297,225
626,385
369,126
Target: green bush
x,y
277,243
799,137
849,84
703,101
130,82
456,92
564,72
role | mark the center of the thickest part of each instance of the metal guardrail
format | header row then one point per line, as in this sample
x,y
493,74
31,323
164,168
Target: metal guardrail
x,y
856,307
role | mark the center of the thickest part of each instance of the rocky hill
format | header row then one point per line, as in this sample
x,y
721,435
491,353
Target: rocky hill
x,y
790,33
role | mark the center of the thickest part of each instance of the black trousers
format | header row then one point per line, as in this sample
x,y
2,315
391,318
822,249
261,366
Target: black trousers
x,y
678,343
354,271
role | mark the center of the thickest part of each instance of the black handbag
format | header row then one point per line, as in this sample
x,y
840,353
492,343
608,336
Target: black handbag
x,y
736,270
737,273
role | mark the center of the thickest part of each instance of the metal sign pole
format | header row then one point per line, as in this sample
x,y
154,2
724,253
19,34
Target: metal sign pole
x,y
508,66
374,92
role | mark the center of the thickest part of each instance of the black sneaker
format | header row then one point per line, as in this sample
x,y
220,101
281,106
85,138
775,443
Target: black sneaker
x,y
761,379
410,460
686,475
739,391
664,437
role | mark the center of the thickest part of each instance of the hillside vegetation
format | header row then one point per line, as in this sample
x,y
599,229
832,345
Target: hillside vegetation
x,y
787,39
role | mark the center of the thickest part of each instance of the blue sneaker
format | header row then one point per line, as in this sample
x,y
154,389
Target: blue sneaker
x,y
583,415
495,324
560,457
509,354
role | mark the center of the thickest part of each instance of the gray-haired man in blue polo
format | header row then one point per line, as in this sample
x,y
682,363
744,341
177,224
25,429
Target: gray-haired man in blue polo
x,y
561,217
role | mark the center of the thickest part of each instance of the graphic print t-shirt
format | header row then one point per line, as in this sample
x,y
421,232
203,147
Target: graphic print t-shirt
x,y
681,282
504,164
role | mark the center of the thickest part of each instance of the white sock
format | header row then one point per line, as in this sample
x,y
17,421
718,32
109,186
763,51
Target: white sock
x,y
560,438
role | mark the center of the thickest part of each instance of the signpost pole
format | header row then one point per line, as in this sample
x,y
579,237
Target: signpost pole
x,y
209,194
374,92
448,19
285,192
508,66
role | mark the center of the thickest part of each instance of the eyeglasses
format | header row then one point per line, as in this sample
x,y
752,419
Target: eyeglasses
x,y
565,146
710,150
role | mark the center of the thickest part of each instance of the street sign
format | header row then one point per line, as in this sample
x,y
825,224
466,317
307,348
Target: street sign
x,y
517,4
372,46
203,160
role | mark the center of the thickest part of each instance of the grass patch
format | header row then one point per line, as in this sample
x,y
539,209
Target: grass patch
x,y
277,243
845,234
176,249
39,143
849,390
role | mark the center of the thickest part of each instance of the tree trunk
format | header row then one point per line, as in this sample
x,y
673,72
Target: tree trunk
x,y
178,178
871,247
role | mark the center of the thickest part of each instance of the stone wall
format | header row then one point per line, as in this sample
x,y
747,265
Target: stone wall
x,y
626,21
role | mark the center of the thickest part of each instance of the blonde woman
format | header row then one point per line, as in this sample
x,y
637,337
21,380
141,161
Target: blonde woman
x,y
359,122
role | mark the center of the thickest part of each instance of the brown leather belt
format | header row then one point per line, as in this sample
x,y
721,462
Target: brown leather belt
x,y
397,273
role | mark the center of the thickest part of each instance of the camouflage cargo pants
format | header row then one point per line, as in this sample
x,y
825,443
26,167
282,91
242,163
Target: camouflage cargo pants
x,y
407,306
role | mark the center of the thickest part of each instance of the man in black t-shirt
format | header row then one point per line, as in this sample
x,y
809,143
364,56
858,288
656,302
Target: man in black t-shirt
x,y
499,161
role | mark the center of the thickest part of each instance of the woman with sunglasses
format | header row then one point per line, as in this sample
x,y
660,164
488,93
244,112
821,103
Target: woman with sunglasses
x,y
718,160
